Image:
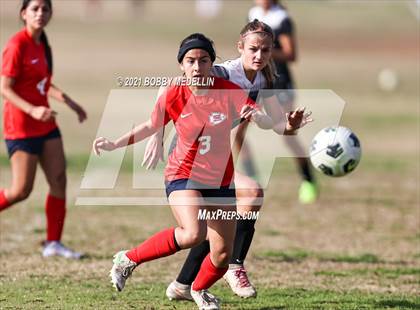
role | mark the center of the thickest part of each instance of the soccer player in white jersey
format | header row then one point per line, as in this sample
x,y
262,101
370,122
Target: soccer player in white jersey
x,y
274,14
251,71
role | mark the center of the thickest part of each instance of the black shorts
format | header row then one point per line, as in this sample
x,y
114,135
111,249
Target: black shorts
x,y
33,145
225,195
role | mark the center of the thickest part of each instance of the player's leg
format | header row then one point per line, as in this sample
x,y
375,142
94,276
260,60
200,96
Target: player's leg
x,y
308,191
53,164
221,234
250,198
23,165
180,288
185,205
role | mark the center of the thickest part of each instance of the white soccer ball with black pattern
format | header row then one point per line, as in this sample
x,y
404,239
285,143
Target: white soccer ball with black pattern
x,y
335,151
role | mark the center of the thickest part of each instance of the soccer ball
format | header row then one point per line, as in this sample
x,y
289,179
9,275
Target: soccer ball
x,y
335,151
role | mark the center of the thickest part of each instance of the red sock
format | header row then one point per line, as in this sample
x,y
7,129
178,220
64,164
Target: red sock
x,y
55,210
4,204
208,275
159,245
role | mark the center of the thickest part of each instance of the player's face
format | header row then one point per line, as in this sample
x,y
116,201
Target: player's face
x,y
255,51
37,14
196,64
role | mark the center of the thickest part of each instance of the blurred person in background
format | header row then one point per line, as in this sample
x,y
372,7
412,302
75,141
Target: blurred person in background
x,y
30,129
274,14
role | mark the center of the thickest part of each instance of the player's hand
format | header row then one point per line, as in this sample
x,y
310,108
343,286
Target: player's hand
x,y
247,112
153,153
81,113
42,113
103,144
297,119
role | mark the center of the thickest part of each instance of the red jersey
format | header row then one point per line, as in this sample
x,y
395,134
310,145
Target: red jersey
x,y
24,60
203,124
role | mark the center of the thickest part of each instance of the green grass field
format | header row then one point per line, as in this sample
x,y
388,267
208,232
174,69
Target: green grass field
x,y
358,247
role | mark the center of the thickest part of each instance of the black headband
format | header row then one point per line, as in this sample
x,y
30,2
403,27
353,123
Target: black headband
x,y
196,43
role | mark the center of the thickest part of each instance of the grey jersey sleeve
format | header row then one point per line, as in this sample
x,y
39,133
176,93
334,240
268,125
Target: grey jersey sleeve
x,y
220,71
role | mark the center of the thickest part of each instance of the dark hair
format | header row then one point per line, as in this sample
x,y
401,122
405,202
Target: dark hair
x,y
261,28
44,39
196,40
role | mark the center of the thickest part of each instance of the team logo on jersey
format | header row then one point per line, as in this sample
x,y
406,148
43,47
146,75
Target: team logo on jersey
x,y
216,118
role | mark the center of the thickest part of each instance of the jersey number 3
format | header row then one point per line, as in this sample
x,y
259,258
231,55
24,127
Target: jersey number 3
x,y
205,144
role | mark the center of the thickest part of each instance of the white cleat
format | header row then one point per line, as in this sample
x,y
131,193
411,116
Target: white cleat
x,y
121,270
205,300
238,281
56,248
179,291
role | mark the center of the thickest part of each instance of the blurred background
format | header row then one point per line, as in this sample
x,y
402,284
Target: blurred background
x,y
361,236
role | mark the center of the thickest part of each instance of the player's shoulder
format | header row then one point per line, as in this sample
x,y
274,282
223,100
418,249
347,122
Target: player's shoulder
x,y
19,39
173,90
228,68
170,94
229,64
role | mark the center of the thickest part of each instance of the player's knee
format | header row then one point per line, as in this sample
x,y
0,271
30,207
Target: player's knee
x,y
194,237
59,181
20,193
251,198
256,192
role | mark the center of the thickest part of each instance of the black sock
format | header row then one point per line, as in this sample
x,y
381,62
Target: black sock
x,y
178,248
305,170
193,262
243,239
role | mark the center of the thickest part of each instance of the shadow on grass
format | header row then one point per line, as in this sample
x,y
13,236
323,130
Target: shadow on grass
x,y
298,255
363,258
388,273
398,303
290,256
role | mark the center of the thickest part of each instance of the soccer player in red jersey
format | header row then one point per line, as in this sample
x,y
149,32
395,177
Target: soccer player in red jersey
x,y
30,130
199,169
252,72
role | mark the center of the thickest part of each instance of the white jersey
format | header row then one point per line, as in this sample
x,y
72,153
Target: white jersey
x,y
233,71
273,17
